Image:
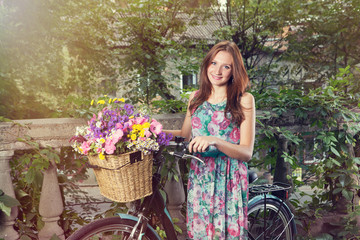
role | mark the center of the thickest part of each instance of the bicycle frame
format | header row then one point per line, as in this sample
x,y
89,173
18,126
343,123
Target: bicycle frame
x,y
156,203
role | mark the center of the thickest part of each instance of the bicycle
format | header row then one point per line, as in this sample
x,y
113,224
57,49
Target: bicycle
x,y
268,215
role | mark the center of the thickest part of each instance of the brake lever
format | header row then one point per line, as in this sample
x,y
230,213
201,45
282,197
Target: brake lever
x,y
184,155
194,157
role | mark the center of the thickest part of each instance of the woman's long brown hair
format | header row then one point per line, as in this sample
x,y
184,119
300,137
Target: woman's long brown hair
x,y
236,85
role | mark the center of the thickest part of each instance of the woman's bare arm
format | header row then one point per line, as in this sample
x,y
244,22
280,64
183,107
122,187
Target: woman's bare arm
x,y
186,127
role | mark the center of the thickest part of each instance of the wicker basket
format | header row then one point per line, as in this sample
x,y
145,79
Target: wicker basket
x,y
125,177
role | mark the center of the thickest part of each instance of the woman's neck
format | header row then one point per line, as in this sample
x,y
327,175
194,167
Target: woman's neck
x,y
218,95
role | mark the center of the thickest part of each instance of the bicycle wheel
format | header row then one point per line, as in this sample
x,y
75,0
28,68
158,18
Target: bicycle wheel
x,y
270,224
109,228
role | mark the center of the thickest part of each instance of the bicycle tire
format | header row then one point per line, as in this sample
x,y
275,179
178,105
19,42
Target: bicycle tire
x,y
109,228
275,221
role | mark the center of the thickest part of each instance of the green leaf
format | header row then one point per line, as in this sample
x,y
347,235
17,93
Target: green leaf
x,y
342,180
347,194
333,150
177,229
337,190
5,209
335,162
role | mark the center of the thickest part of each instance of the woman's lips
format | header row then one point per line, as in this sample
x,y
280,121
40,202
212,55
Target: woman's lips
x,y
216,77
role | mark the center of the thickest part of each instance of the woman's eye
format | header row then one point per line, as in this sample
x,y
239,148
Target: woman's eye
x,y
227,67
213,63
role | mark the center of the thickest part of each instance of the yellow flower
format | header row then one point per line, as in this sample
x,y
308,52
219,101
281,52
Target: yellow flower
x,y
114,99
142,133
101,102
121,100
146,125
131,117
92,102
102,140
137,127
133,137
101,156
110,100
80,149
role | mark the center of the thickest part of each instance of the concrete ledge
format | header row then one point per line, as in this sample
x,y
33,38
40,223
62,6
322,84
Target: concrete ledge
x,y
56,132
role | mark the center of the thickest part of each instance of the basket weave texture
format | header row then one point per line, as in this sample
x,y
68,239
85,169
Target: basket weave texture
x,y
123,181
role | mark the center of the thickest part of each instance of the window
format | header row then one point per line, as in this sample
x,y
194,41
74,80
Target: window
x,y
189,81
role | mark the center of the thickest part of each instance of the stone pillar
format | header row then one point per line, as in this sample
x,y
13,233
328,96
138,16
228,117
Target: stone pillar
x,y
7,231
176,199
51,205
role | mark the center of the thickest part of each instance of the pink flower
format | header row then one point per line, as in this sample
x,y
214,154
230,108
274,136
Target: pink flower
x,y
234,230
218,117
213,128
109,146
190,234
117,136
224,124
196,122
85,146
210,230
140,120
129,123
210,164
235,135
100,115
119,125
231,186
221,204
147,133
199,225
155,127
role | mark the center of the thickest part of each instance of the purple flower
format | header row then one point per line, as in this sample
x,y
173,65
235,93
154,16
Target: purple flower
x,y
164,139
129,109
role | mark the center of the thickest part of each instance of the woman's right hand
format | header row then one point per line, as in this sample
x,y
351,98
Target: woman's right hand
x,y
201,143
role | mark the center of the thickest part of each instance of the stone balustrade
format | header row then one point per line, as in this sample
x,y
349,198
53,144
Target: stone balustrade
x,y
55,133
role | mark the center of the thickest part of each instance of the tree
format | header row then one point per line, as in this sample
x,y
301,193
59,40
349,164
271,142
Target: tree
x,y
76,50
325,37
41,60
151,35
258,28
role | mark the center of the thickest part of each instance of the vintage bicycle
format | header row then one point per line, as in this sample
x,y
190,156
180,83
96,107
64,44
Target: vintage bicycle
x,y
268,215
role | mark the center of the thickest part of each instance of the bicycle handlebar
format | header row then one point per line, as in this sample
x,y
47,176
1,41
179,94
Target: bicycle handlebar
x,y
181,149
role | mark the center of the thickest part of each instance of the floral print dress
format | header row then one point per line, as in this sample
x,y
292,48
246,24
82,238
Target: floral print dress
x,y
218,189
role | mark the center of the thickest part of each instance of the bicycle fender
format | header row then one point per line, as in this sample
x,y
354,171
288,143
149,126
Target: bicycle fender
x,y
131,217
253,200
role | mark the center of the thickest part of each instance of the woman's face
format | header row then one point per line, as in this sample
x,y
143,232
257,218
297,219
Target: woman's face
x,y
220,69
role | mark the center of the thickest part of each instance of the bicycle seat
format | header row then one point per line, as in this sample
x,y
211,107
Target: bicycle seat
x,y
252,176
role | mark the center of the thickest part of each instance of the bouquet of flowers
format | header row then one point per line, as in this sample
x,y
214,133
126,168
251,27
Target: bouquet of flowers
x,y
117,129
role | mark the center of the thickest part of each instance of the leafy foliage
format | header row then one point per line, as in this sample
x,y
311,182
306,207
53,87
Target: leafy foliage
x,y
27,172
326,114
150,29
259,29
324,38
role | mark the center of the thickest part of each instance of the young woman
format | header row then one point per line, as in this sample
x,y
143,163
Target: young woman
x,y
220,118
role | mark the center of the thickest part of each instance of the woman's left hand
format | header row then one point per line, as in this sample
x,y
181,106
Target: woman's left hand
x,y
201,143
